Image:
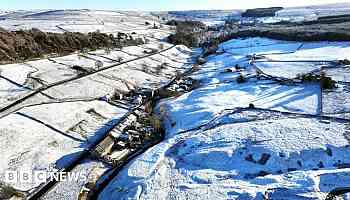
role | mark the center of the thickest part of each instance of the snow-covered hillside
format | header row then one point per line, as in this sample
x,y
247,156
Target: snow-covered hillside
x,y
56,125
77,20
218,148
52,109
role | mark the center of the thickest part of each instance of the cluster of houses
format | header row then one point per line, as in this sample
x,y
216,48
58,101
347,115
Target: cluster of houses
x,y
137,130
183,85
133,133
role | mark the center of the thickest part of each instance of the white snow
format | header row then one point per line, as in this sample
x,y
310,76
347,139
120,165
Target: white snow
x,y
27,146
339,74
55,126
50,72
288,70
212,163
13,82
35,137
214,150
337,101
324,51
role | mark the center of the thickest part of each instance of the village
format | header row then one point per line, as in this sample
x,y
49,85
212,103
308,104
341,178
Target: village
x,y
227,104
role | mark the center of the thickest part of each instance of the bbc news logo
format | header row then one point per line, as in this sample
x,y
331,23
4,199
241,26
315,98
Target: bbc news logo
x,y
44,176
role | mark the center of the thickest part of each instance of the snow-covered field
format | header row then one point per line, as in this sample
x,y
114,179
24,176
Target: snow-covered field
x,y
316,10
37,136
215,150
77,20
12,83
20,79
288,70
251,43
201,105
228,162
309,13
338,100
317,51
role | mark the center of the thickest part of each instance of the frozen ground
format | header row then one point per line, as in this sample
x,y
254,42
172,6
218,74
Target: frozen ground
x,y
215,150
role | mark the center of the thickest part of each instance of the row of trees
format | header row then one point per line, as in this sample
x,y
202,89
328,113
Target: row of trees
x,y
28,44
